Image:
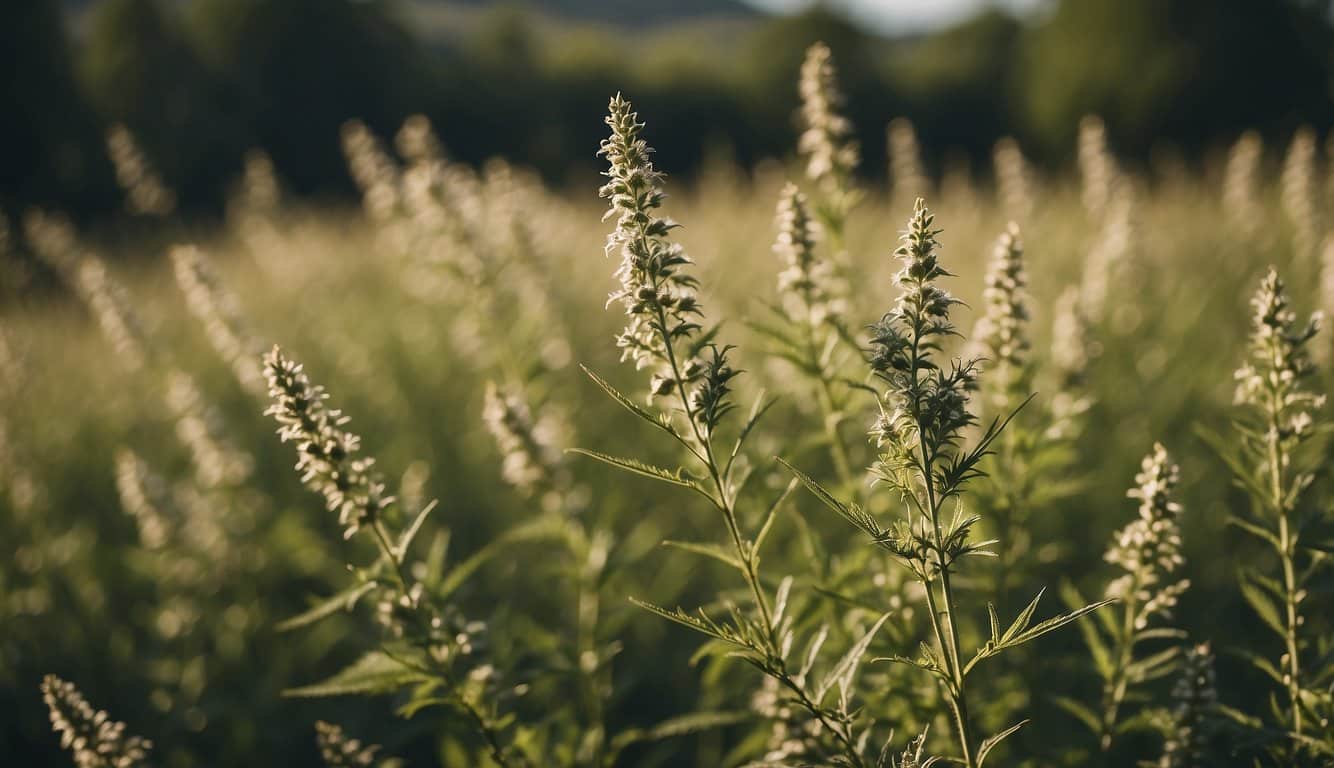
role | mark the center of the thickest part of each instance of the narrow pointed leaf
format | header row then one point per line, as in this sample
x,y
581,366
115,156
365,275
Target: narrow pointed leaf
x,y
646,470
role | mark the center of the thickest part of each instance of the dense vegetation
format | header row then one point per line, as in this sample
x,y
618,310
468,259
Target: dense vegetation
x,y
697,557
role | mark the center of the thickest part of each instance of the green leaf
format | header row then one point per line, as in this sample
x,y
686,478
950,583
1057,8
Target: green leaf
x,y
771,514
1261,603
846,669
373,673
1019,632
1097,645
629,404
780,600
1255,529
1056,622
682,725
1155,666
707,549
701,623
853,514
1021,621
990,742
757,412
647,470
1261,663
540,529
1081,713
1243,474
343,601
405,540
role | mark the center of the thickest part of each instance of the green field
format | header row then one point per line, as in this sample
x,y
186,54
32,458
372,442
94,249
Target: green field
x,y
156,536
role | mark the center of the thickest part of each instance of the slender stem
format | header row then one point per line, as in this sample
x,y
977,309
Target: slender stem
x,y
1292,667
951,652
588,609
723,501
387,550
1114,692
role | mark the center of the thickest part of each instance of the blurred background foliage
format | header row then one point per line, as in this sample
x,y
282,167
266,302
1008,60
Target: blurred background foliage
x,y
201,81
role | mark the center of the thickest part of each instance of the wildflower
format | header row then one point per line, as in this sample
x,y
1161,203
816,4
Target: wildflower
x,y
827,140
1002,332
339,751
1300,190
416,141
927,404
111,306
807,282
200,429
92,737
1277,419
143,495
217,308
1241,180
327,457
1097,167
1014,178
658,296
905,160
54,242
376,175
146,193
529,460
1149,548
1191,720
1272,380
259,182
1108,258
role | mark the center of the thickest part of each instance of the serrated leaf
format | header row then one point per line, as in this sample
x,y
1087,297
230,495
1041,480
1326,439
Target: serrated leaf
x,y
638,467
343,601
373,673
706,549
852,513
990,742
1056,622
1021,621
629,404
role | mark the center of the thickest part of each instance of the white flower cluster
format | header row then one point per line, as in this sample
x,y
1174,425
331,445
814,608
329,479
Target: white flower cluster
x,y
1149,548
327,457
92,737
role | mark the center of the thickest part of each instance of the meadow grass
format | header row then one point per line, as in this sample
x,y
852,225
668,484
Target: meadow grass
x,y
495,594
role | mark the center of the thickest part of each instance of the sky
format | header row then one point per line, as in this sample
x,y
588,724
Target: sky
x,y
898,16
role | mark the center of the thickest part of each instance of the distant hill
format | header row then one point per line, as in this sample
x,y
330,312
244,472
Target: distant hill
x,y
624,12
617,12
